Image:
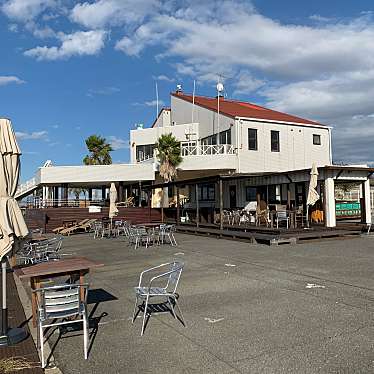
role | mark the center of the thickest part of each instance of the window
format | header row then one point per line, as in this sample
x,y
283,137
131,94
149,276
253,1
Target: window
x,y
275,194
316,139
252,139
207,192
225,137
275,141
209,140
144,152
251,194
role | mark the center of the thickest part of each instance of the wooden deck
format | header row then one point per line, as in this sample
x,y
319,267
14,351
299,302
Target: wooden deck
x,y
50,218
271,236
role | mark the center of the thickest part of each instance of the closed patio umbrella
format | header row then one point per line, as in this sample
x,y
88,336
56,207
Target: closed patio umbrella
x,y
113,211
12,224
312,193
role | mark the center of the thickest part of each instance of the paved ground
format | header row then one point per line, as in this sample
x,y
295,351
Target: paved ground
x,y
249,309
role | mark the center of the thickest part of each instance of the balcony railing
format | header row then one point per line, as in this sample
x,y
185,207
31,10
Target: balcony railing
x,y
196,149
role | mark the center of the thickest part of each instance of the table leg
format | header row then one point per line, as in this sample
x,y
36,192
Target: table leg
x,y
35,283
82,273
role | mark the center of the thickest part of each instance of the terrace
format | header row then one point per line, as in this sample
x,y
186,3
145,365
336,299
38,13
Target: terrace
x,y
248,308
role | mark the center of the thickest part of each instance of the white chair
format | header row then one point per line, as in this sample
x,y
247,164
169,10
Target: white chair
x,y
57,306
163,284
282,216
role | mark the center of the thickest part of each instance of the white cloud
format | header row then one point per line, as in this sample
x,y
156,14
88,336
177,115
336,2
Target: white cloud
x,y
79,43
163,78
246,83
102,13
151,103
106,91
26,10
118,143
31,136
4,80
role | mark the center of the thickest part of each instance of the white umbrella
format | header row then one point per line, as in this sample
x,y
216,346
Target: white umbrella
x,y
312,193
113,211
12,224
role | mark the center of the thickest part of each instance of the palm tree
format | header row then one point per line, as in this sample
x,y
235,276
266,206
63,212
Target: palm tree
x,y
169,156
99,151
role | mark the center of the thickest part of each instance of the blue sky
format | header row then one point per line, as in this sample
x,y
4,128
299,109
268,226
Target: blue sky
x,y
75,68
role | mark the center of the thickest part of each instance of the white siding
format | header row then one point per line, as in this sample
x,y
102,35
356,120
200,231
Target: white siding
x,y
181,112
96,173
296,147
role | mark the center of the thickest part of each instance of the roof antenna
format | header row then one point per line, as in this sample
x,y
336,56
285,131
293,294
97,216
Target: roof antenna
x,y
220,89
156,100
193,100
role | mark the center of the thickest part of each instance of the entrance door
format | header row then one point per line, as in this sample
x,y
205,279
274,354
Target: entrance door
x,y
232,191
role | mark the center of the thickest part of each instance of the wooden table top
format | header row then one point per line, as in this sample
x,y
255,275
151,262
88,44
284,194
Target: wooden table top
x,y
55,267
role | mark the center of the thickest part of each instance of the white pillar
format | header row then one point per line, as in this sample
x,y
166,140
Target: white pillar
x,y
367,206
330,215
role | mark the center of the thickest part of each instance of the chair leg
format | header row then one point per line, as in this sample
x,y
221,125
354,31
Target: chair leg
x,y
135,306
172,308
145,315
180,311
85,336
41,345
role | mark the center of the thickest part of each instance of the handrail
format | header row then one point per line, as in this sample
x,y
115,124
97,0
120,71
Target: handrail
x,y
195,149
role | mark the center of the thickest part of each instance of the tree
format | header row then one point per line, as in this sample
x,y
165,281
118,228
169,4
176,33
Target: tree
x,y
169,156
99,151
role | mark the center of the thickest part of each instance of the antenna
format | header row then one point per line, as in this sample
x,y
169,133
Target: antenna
x,y
220,89
193,100
156,100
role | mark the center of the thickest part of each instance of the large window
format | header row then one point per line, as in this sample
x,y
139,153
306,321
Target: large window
x,y
250,193
144,152
275,194
209,140
275,147
316,139
207,192
252,139
225,137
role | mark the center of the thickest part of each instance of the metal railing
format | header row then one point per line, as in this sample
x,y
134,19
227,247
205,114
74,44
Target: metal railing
x,y
39,203
145,158
24,187
195,149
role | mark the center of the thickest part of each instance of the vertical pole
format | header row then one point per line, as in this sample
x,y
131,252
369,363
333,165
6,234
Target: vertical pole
x,y
162,204
178,208
4,310
220,204
149,197
366,200
197,204
330,215
90,194
140,194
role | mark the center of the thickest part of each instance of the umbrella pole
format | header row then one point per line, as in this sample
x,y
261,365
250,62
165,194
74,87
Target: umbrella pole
x,y
4,310
8,336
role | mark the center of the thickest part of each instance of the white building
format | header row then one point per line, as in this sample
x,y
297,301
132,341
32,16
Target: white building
x,y
238,136
270,152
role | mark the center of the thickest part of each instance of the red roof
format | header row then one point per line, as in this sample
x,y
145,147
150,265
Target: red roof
x,y
233,108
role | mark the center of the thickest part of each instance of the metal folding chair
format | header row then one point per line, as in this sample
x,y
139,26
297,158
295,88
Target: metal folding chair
x,y
162,284
57,306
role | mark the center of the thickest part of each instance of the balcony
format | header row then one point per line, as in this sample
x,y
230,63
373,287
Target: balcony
x,y
195,149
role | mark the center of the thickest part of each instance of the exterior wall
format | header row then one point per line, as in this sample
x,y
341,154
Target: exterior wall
x,y
96,173
297,150
181,112
164,119
150,135
209,162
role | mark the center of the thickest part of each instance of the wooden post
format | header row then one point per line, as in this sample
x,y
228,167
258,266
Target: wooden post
x,y
149,197
140,194
197,204
220,204
178,209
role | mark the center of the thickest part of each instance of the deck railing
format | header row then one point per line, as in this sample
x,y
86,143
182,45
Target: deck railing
x,y
196,149
39,203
